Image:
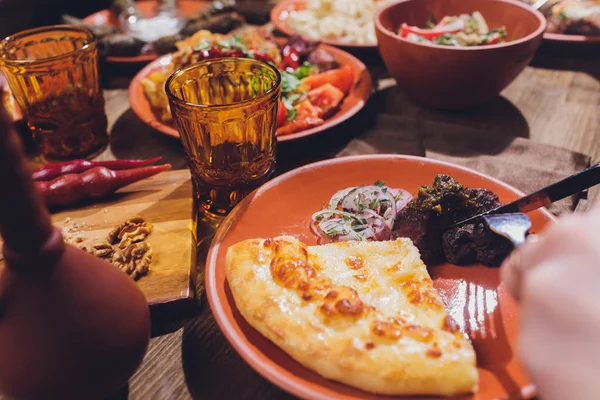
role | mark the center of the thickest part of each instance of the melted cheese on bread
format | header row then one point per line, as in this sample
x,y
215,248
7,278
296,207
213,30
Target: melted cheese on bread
x,y
362,313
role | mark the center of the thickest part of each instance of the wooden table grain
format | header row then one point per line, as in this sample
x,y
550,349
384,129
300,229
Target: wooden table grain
x,y
555,101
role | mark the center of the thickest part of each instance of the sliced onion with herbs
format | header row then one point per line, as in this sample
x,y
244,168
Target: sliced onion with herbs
x,y
361,213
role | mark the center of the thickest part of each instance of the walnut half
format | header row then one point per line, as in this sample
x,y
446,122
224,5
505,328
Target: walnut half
x,y
100,249
126,248
134,260
133,230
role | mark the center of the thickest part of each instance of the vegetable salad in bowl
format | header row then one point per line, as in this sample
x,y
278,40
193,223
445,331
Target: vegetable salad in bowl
x,y
462,30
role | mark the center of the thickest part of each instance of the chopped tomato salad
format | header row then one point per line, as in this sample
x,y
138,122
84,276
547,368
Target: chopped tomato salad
x,y
462,30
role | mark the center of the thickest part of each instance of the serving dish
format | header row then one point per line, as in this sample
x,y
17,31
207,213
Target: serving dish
x,y
281,12
146,7
352,103
451,77
473,295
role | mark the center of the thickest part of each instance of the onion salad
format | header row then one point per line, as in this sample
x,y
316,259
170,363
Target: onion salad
x,y
360,213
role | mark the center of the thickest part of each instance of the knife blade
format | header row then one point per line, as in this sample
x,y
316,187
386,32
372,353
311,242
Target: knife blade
x,y
544,197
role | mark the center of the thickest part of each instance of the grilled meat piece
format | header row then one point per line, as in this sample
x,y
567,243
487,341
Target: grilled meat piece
x,y
220,23
255,12
119,45
446,201
425,216
166,44
475,242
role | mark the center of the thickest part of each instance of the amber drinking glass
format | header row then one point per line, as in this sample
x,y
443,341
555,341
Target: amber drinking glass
x,y
53,74
226,113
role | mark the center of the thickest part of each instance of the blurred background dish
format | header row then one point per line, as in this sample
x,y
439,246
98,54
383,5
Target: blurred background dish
x,y
342,23
450,77
571,21
119,47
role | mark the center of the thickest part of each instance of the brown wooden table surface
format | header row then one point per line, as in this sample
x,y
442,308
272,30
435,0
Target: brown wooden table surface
x,y
555,101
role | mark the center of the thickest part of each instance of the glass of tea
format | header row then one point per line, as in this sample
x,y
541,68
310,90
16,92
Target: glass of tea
x,y
52,72
226,113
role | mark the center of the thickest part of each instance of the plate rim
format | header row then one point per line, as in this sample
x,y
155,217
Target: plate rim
x,y
247,353
574,39
137,97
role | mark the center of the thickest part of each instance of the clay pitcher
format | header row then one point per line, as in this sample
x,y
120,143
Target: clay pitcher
x,y
71,325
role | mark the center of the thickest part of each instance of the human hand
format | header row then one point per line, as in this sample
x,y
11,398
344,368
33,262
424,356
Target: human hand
x,y
556,278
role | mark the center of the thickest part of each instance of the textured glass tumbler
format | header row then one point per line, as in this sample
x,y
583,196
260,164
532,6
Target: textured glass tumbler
x,y
53,74
226,113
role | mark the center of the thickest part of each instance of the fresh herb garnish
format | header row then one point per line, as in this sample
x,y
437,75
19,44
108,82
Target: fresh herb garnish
x,y
288,102
291,114
379,183
303,71
289,82
203,45
430,23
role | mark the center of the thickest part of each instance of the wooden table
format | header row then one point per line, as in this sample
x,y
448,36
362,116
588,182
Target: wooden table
x,y
555,101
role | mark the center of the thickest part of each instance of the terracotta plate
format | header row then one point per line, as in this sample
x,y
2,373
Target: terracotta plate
x,y
107,17
281,12
356,99
473,295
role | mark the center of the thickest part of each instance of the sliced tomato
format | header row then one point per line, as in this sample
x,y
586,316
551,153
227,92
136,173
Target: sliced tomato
x,y
494,38
281,114
454,27
307,116
306,109
342,78
327,98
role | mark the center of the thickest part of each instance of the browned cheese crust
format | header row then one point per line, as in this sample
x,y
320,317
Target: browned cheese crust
x,y
362,313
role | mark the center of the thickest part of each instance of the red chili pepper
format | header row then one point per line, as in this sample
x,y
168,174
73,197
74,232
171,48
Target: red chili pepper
x,y
51,171
291,57
262,56
93,183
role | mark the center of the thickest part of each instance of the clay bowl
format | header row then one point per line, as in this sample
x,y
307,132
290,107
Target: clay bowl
x,y
457,77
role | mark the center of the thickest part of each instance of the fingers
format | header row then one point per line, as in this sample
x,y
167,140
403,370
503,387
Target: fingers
x,y
572,235
511,271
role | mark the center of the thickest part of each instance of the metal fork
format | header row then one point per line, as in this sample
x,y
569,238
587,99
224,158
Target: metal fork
x,y
512,226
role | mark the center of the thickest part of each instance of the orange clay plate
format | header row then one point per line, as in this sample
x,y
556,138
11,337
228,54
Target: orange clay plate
x,y
473,295
146,7
281,12
353,102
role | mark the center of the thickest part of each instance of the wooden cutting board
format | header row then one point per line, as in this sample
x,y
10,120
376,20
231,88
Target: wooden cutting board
x,y
164,200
